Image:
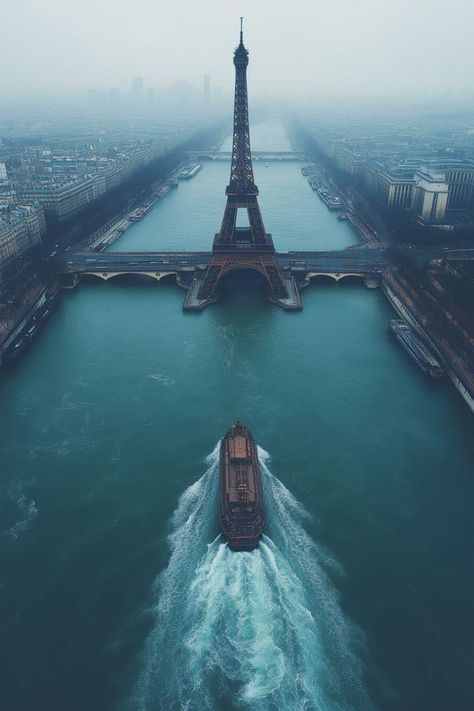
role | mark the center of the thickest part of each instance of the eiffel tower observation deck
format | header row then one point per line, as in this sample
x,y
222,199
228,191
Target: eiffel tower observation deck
x,y
243,248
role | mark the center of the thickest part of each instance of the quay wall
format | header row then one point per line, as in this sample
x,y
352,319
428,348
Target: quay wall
x,y
366,234
47,292
402,309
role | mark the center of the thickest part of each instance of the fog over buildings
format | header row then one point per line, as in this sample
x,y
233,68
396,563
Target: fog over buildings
x,y
300,48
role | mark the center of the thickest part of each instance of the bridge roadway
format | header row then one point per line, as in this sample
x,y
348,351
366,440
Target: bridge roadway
x,y
365,261
354,260
256,155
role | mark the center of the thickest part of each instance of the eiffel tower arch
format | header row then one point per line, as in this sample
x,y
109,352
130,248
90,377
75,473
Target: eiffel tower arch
x,y
237,247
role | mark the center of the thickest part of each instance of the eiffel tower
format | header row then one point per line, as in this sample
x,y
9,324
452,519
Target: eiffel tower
x,y
243,247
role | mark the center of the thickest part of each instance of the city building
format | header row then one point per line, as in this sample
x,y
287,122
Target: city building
x,y
60,199
77,159
430,197
460,179
22,228
393,188
407,164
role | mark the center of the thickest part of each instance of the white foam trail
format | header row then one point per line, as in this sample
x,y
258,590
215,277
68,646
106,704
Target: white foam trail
x,y
28,509
163,379
261,630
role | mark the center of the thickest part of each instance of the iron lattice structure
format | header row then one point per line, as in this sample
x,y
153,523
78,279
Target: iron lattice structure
x,y
236,247
241,172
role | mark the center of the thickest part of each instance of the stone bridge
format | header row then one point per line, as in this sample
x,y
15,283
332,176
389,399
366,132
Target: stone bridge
x,y
256,155
355,261
365,261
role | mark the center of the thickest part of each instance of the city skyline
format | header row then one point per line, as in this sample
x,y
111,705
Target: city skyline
x,y
329,49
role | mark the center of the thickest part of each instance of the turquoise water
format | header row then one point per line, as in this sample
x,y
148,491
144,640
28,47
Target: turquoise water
x,y
108,428
191,214
267,622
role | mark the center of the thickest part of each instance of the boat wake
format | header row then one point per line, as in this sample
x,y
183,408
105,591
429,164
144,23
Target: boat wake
x,y
256,630
27,509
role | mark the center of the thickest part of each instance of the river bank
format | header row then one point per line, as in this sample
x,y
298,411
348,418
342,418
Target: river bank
x,y
431,320
35,279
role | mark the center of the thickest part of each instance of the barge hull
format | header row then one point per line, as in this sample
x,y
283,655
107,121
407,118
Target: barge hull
x,y
415,348
241,500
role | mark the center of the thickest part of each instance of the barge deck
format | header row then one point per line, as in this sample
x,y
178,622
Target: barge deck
x,y
241,499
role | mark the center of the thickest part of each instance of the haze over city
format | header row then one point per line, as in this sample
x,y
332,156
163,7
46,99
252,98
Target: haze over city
x,y
236,355
299,48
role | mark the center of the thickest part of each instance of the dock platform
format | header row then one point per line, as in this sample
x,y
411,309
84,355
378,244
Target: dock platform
x,y
293,302
191,301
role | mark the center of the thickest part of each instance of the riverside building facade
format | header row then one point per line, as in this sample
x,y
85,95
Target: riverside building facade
x,y
406,165
64,186
22,228
80,157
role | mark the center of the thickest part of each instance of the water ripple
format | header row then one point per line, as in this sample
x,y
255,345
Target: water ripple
x,y
262,629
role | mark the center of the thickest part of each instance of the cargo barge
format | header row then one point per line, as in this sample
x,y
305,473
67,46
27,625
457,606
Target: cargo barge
x,y
331,201
140,212
190,171
242,514
415,348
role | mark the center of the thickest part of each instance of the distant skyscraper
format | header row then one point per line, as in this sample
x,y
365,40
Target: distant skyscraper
x,y
150,95
137,88
206,85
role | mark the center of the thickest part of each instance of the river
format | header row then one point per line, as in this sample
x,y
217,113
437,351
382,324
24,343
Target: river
x,y
116,592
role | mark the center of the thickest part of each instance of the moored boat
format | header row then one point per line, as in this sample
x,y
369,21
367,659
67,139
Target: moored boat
x,y
242,514
30,328
416,349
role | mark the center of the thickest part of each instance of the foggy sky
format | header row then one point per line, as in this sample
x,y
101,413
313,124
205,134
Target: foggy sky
x,y
297,47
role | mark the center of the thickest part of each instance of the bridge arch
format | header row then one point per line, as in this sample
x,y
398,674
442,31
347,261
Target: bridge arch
x,y
244,267
254,273
236,268
145,275
90,277
333,276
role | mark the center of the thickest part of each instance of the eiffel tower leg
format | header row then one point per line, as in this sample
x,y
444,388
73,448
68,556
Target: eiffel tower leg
x,y
209,286
203,289
281,287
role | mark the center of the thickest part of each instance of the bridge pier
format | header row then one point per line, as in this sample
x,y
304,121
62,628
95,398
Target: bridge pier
x,y
373,281
193,302
295,269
